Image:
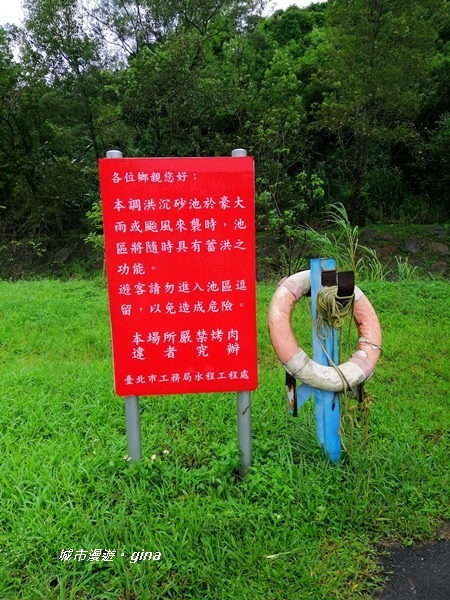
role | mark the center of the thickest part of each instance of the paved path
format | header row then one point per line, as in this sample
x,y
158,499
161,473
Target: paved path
x,y
421,572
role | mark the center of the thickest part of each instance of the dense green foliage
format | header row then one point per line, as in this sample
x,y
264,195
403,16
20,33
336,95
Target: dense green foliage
x,y
349,98
296,527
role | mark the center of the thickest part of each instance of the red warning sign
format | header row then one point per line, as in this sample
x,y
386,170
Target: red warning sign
x,y
180,260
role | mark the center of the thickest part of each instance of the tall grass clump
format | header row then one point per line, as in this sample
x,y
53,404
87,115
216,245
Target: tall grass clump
x,y
337,239
340,240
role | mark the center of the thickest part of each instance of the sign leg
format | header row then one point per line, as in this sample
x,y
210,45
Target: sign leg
x,y
244,431
243,403
133,425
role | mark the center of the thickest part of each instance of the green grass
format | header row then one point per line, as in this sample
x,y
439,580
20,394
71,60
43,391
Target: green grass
x,y
295,528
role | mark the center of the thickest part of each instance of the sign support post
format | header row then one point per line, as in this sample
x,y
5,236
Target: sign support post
x,y
133,427
132,418
244,432
244,417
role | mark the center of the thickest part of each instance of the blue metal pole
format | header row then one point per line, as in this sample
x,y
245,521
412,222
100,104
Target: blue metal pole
x,y
327,403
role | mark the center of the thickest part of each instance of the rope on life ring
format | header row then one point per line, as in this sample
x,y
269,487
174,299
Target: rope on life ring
x,y
355,371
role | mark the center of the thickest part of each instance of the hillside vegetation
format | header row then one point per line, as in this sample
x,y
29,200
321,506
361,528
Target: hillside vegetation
x,y
338,102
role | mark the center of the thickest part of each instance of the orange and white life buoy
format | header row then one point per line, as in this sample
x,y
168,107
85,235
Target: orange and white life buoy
x,y
296,362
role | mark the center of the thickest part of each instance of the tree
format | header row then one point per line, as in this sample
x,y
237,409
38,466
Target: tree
x,y
10,143
377,62
133,25
60,103
59,46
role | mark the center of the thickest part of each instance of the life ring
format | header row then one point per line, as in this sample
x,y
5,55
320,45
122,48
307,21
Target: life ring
x,y
296,362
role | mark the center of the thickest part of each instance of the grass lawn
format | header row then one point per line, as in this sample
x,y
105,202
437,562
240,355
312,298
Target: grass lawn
x,y
296,528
